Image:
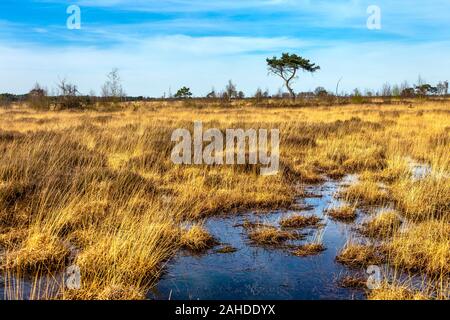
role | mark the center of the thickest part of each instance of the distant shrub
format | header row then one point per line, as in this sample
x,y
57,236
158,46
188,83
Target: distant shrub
x,y
112,90
408,93
260,95
37,98
321,92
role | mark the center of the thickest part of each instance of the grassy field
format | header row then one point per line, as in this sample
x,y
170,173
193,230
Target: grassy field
x,y
98,188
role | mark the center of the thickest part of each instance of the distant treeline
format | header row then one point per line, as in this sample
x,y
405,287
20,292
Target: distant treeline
x,y
306,98
286,67
67,95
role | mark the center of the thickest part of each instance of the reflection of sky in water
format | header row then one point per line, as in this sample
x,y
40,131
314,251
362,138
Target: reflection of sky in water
x,y
29,287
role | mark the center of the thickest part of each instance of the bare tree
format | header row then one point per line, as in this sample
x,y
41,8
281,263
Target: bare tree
x,y
337,86
259,95
68,95
386,90
112,89
231,90
442,88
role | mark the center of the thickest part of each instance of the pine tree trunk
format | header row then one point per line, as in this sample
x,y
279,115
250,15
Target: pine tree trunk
x,y
292,93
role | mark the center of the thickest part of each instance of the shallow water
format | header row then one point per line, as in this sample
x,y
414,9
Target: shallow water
x,y
28,287
264,273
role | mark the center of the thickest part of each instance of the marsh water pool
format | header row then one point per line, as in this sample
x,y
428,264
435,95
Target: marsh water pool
x,y
260,273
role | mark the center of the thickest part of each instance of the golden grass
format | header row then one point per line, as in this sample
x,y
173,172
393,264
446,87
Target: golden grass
x,y
133,254
396,168
359,255
343,213
298,222
11,237
424,199
309,249
397,292
366,193
423,247
98,189
37,251
197,239
271,236
382,226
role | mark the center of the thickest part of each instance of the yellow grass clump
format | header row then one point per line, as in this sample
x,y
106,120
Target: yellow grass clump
x,y
196,238
424,199
343,213
423,247
383,225
357,255
298,222
37,251
366,193
309,249
271,236
397,292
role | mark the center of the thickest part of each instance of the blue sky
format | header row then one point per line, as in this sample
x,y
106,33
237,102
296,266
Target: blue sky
x,y
202,44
